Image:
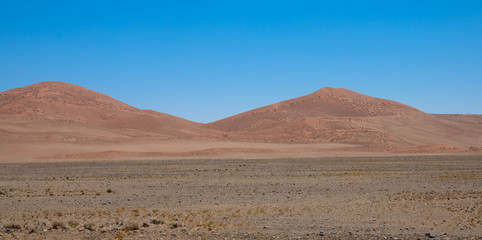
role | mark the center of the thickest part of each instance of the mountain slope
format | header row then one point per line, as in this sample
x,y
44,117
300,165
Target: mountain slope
x,y
64,102
63,112
341,115
325,103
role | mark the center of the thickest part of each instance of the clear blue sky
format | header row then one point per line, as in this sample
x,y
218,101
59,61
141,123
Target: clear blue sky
x,y
206,60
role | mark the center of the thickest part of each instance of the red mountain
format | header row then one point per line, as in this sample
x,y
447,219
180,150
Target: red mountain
x,y
62,112
47,102
341,115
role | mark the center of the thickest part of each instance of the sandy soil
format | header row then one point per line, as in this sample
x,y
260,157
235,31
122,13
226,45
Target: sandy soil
x,y
135,149
326,198
55,151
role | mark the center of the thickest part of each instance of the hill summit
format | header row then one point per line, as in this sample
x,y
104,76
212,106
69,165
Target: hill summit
x,y
63,111
325,103
65,102
341,115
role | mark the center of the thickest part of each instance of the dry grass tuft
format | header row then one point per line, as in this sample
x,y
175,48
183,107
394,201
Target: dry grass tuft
x,y
73,224
89,226
13,226
58,225
119,235
132,226
157,222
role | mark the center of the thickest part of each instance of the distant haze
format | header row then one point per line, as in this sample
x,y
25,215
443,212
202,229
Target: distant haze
x,y
204,61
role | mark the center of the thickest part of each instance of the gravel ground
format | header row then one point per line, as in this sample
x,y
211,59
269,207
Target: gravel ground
x,y
424,197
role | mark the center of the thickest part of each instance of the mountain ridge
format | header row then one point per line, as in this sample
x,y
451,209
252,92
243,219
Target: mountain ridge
x,y
60,101
324,103
329,115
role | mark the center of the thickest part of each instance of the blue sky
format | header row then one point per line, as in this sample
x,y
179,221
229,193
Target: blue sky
x,y
206,60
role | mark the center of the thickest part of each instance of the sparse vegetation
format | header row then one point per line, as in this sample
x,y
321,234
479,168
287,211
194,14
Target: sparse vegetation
x,y
73,224
131,226
58,225
157,222
120,210
305,196
119,235
13,226
89,226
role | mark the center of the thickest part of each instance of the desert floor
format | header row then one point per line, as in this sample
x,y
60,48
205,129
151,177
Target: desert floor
x,y
48,150
405,197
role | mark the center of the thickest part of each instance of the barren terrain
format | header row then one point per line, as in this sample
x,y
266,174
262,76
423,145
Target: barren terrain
x,y
320,198
335,164
56,121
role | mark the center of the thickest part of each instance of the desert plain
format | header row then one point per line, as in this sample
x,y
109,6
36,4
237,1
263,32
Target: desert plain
x,y
335,164
404,197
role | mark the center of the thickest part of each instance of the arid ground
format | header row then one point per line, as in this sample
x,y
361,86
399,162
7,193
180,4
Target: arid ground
x,y
404,197
334,164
